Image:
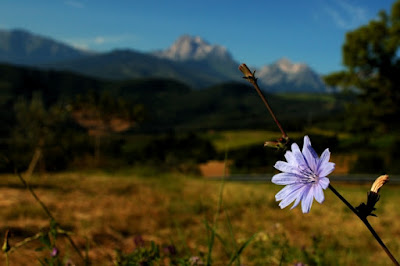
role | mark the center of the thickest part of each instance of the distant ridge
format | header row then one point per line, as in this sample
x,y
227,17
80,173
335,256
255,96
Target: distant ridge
x,y
190,59
22,47
286,76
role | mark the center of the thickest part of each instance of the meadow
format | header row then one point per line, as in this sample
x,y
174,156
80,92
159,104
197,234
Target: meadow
x,y
189,216
148,204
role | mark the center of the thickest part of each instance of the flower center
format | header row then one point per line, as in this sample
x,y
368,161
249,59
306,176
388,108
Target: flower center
x,y
307,175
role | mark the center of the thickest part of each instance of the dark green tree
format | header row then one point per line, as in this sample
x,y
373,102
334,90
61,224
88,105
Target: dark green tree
x,y
101,114
372,67
41,134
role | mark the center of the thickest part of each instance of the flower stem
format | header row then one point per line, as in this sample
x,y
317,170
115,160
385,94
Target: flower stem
x,y
255,84
344,200
367,224
249,76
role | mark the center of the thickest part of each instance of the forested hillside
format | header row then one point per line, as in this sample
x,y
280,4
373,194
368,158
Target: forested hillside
x,y
69,116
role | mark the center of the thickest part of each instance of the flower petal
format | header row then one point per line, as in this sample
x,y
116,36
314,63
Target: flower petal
x,y
289,199
301,191
284,192
307,199
290,158
325,169
284,179
293,192
318,193
325,156
324,182
298,155
285,167
310,155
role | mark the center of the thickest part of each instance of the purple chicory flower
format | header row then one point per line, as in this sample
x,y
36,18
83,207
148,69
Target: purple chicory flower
x,y
304,175
54,252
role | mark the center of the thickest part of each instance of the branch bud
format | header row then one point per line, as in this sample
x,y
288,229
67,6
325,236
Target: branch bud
x,y
247,73
379,182
365,210
280,144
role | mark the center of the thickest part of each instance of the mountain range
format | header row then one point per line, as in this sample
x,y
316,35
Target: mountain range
x,y
190,59
24,48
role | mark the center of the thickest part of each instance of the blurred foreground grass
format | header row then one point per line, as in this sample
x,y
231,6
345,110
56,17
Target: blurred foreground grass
x,y
108,210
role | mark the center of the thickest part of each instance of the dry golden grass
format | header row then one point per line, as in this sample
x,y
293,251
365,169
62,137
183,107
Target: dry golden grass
x,y
108,210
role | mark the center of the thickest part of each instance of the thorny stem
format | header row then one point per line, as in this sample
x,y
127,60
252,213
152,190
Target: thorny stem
x,y
44,207
367,224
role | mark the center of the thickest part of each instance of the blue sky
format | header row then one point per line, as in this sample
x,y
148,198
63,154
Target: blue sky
x,y
255,32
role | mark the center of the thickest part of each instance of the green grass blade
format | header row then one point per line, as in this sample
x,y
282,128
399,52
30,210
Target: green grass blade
x,y
223,242
219,207
230,228
240,250
210,242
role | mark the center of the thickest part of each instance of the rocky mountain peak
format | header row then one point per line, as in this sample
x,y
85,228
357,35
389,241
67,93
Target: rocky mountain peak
x,y
291,76
193,48
191,59
284,66
287,66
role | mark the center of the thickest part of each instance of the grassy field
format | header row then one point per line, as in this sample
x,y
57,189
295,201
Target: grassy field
x,y
234,139
109,211
226,140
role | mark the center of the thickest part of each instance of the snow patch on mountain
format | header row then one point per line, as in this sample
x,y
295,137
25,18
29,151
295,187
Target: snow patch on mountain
x,y
289,76
193,48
